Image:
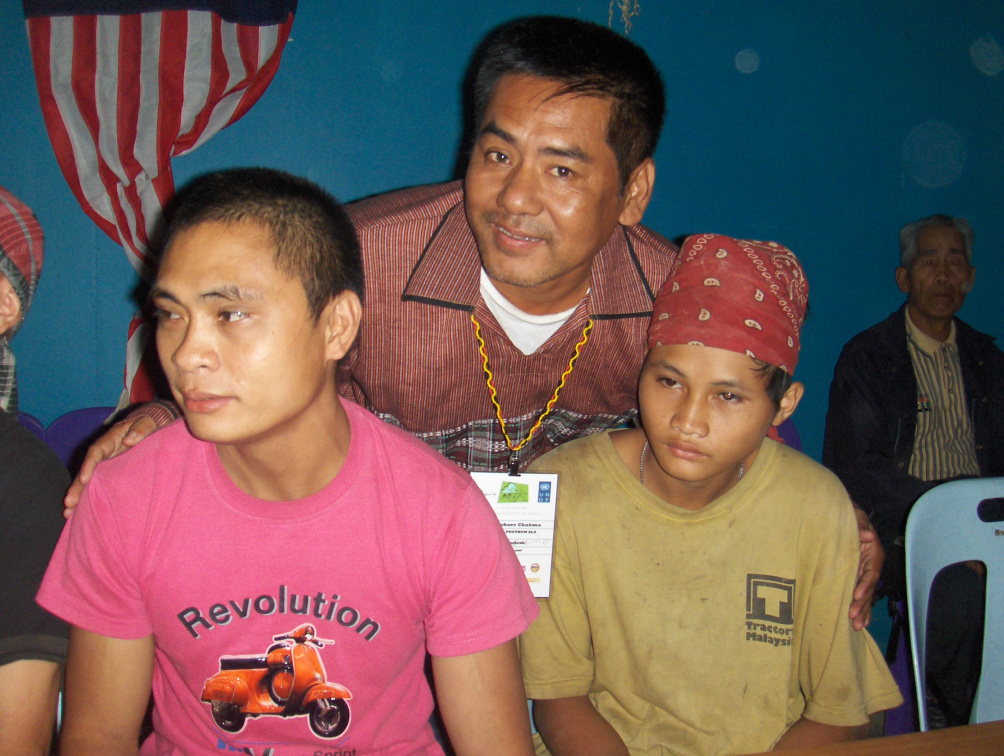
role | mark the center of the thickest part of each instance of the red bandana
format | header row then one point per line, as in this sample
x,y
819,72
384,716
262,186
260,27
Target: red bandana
x,y
744,296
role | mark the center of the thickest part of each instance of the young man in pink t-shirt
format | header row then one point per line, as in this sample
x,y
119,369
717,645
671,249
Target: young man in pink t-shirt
x,y
276,566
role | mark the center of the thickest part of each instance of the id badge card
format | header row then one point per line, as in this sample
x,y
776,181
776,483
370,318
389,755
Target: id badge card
x,y
524,504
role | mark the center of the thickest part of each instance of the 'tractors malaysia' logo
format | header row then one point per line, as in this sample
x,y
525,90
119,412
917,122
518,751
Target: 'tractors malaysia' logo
x,y
770,603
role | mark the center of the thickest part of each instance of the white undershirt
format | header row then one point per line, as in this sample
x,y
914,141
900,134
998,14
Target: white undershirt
x,y
524,330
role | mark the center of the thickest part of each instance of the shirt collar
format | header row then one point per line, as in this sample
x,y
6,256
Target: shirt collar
x,y
448,272
921,340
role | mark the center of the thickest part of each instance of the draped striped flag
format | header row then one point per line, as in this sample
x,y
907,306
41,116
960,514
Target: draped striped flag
x,y
125,85
122,94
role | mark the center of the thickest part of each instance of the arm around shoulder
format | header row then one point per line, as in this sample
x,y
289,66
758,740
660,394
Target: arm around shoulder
x,y
482,702
108,684
123,435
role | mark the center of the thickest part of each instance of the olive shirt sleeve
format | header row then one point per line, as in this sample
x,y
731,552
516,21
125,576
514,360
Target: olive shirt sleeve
x,y
842,676
556,652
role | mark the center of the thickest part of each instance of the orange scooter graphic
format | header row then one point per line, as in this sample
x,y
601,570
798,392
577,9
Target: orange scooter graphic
x,y
289,681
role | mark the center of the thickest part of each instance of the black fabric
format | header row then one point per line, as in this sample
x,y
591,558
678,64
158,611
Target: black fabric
x,y
32,484
872,420
955,620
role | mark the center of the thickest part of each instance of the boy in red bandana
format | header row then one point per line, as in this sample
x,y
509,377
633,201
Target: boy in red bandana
x,y
700,568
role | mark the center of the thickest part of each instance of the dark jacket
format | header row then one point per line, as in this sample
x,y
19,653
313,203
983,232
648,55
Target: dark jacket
x,y
872,417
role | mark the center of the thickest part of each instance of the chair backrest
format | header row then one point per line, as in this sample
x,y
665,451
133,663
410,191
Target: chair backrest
x,y
957,522
67,434
788,433
32,423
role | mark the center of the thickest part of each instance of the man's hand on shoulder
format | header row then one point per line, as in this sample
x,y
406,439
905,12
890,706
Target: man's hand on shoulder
x,y
869,570
121,436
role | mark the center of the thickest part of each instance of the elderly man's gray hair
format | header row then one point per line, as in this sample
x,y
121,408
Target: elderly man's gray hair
x,y
909,233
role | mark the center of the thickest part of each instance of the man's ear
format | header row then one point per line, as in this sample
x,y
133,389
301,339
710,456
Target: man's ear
x,y
903,280
341,318
789,402
10,306
638,192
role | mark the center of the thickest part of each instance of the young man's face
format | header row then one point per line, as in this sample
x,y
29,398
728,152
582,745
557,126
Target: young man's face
x,y
542,192
705,412
240,348
939,278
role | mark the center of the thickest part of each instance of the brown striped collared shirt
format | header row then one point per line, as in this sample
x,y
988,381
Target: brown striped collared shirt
x,y
416,361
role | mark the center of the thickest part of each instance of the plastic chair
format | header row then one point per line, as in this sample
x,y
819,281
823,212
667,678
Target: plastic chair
x,y
68,434
955,522
32,423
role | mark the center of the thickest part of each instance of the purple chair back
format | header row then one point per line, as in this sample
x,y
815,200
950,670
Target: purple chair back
x,y
32,423
903,719
789,434
70,434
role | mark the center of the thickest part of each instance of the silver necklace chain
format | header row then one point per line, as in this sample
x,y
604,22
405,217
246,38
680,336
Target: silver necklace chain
x,y
641,467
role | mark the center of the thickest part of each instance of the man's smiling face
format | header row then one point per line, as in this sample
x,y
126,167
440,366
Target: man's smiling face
x,y
542,191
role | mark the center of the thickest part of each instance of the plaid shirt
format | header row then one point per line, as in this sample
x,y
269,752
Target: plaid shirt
x,y
416,362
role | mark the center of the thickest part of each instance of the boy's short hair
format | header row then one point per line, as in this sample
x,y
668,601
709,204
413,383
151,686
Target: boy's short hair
x,y
587,59
315,242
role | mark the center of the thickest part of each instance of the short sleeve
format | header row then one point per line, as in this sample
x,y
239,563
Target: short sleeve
x,y
91,582
556,653
479,596
842,674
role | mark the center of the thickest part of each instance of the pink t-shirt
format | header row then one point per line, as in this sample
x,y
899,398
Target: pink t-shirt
x,y
398,554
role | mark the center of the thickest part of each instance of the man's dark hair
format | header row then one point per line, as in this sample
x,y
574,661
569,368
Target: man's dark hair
x,y
586,59
314,240
778,381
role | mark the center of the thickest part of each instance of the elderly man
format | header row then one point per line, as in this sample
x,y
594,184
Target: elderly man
x,y
32,481
506,314
916,400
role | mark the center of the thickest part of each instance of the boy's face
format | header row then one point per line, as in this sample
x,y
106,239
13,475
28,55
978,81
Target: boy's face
x,y
243,355
705,412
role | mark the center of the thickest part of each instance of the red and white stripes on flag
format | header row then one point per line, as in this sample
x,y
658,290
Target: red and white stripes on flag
x,y
122,95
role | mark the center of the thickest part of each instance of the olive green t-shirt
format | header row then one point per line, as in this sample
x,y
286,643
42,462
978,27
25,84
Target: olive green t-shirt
x,y
708,631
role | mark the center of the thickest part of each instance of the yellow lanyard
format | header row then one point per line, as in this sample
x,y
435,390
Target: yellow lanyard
x,y
554,398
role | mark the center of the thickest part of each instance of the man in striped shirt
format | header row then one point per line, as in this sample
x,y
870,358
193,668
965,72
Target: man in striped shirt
x,y
506,314
917,400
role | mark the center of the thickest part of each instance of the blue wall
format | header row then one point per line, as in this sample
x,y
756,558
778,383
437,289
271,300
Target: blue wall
x,y
824,125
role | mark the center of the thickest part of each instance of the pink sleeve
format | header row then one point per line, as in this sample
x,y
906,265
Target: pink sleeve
x,y
480,598
90,581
